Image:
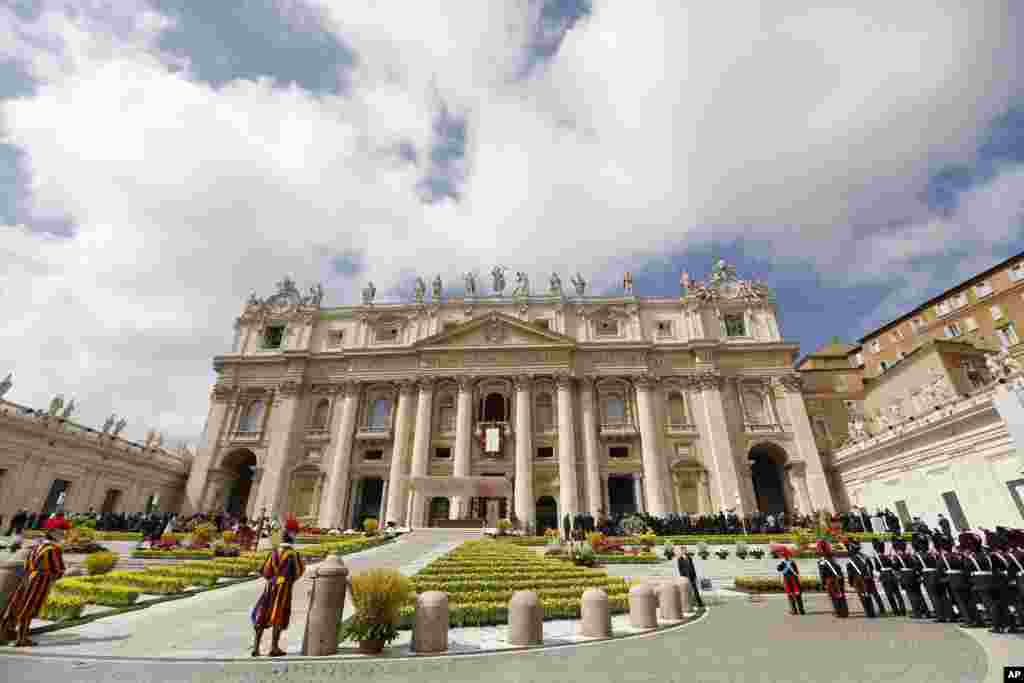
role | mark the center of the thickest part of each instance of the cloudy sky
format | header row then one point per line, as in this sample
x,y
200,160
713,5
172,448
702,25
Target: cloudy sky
x,y
161,159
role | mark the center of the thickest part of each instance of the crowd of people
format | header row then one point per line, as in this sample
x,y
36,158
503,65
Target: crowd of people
x,y
942,580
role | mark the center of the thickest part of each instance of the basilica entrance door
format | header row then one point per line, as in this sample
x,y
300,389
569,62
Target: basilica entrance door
x,y
547,514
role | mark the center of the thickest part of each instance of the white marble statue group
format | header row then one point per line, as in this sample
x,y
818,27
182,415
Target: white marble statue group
x,y
1001,364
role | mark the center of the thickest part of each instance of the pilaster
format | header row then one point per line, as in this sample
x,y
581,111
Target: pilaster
x,y
525,506
332,512
819,494
395,501
568,493
649,440
462,465
421,449
588,410
714,432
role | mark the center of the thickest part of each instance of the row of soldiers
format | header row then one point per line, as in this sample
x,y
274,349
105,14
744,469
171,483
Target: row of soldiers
x,y
983,568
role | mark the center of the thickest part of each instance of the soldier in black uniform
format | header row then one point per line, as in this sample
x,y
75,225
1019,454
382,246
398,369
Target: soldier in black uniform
x,y
910,579
1015,554
932,573
993,596
945,563
983,581
1000,542
862,578
883,565
832,579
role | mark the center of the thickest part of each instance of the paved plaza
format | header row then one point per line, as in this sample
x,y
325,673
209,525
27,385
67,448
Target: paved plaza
x,y
206,638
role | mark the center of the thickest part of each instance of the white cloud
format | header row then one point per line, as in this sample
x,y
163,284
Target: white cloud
x,y
655,128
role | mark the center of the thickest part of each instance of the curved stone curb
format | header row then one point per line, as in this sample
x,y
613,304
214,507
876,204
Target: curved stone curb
x,y
10,653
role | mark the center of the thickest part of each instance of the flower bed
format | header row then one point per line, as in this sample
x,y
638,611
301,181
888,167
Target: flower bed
x,y
616,558
94,593
174,554
61,607
481,576
532,541
145,583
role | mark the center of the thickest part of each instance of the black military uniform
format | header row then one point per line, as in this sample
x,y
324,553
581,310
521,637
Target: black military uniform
x,y
1010,571
831,577
883,565
993,585
983,582
858,571
944,561
933,573
1016,557
960,581
910,579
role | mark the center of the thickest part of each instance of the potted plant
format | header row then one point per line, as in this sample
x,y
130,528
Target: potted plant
x,y
504,526
702,550
378,595
757,553
741,550
722,553
583,555
370,526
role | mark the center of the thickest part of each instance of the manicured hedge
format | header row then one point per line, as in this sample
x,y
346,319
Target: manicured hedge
x,y
61,607
174,554
106,594
758,539
768,584
145,583
645,558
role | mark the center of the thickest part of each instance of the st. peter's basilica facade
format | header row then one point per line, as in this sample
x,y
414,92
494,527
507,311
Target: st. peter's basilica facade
x,y
509,404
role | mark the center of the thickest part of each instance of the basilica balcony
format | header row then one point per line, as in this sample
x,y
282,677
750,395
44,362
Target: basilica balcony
x,y
618,430
482,427
246,436
374,432
316,435
680,428
762,427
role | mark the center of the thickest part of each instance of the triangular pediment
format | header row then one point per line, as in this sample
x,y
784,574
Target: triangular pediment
x,y
495,329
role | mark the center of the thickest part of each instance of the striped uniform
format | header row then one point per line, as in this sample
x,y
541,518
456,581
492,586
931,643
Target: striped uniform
x,y
281,570
44,565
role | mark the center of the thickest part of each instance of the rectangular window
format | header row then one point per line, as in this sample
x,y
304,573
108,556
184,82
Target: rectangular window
x,y
897,334
956,513
543,323
1007,335
983,288
1017,272
903,513
335,338
953,330
273,335
373,455
607,328
960,300
916,325
618,452
970,324
735,326
942,308
663,328
997,312
443,453
876,346
858,360
545,452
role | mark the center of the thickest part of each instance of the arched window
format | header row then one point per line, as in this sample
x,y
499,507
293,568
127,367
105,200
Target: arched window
x,y
320,414
676,410
545,412
446,413
249,420
494,408
614,410
380,412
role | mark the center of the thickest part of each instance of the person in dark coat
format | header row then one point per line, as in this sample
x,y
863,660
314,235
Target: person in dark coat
x,y
944,525
960,582
686,567
18,522
883,565
1008,595
791,581
862,578
910,580
990,582
832,579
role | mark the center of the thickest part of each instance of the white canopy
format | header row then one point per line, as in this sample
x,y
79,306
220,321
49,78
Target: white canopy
x,y
485,487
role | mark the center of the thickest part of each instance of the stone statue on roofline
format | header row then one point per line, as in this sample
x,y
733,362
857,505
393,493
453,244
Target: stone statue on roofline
x,y
579,283
55,405
419,290
498,279
1008,364
70,408
316,295
6,385
522,287
158,442
627,283
119,426
436,288
684,283
722,272
109,424
150,437
469,278
369,292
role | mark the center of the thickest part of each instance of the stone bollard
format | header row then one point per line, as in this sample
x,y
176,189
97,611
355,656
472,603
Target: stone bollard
x,y
595,615
642,610
685,594
669,604
430,628
326,604
525,619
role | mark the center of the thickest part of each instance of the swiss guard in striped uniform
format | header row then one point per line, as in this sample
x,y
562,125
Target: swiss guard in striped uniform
x,y
274,609
791,581
831,576
43,566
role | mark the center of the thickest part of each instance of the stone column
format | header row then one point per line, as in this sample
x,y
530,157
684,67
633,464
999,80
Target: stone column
x,y
816,481
421,449
333,510
703,496
796,472
281,428
525,506
592,461
355,498
606,496
220,400
714,432
462,465
568,493
395,501
638,493
653,465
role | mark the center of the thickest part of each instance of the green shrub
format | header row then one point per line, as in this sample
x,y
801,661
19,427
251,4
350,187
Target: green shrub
x,y
61,607
100,563
145,583
109,595
773,584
